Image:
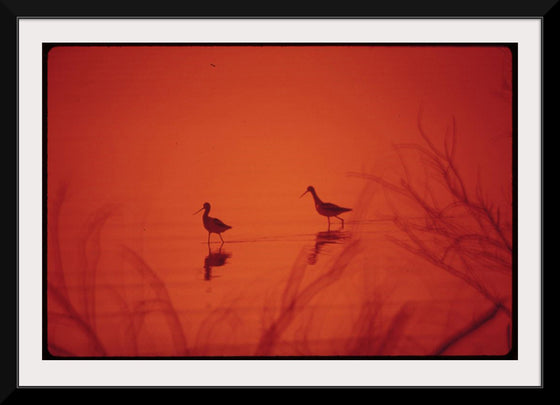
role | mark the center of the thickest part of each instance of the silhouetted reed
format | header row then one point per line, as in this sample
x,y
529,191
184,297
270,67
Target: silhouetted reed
x,y
57,289
162,302
90,253
76,320
79,313
295,297
220,322
375,334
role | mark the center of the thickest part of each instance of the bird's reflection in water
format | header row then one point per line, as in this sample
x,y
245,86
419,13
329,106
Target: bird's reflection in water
x,y
323,239
214,259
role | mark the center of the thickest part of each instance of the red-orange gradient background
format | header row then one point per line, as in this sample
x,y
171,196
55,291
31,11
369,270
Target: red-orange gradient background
x,y
139,137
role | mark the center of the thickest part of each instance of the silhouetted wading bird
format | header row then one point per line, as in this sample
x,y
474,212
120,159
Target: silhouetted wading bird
x,y
212,225
326,209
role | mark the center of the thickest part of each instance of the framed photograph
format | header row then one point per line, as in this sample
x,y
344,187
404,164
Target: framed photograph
x,y
279,202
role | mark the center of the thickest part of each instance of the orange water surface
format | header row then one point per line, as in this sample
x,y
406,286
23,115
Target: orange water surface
x,y
417,140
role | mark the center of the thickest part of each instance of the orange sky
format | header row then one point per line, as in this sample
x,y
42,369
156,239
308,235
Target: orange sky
x,y
165,119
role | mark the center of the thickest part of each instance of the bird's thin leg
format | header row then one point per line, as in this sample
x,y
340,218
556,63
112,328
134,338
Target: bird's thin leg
x,y
208,239
341,221
221,238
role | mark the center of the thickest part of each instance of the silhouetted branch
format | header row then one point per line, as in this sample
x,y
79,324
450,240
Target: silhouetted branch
x,y
444,234
468,330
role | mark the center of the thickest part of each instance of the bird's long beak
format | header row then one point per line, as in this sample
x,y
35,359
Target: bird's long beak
x,y
304,194
198,211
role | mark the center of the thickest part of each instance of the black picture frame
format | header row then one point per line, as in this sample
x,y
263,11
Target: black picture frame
x,y
11,11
